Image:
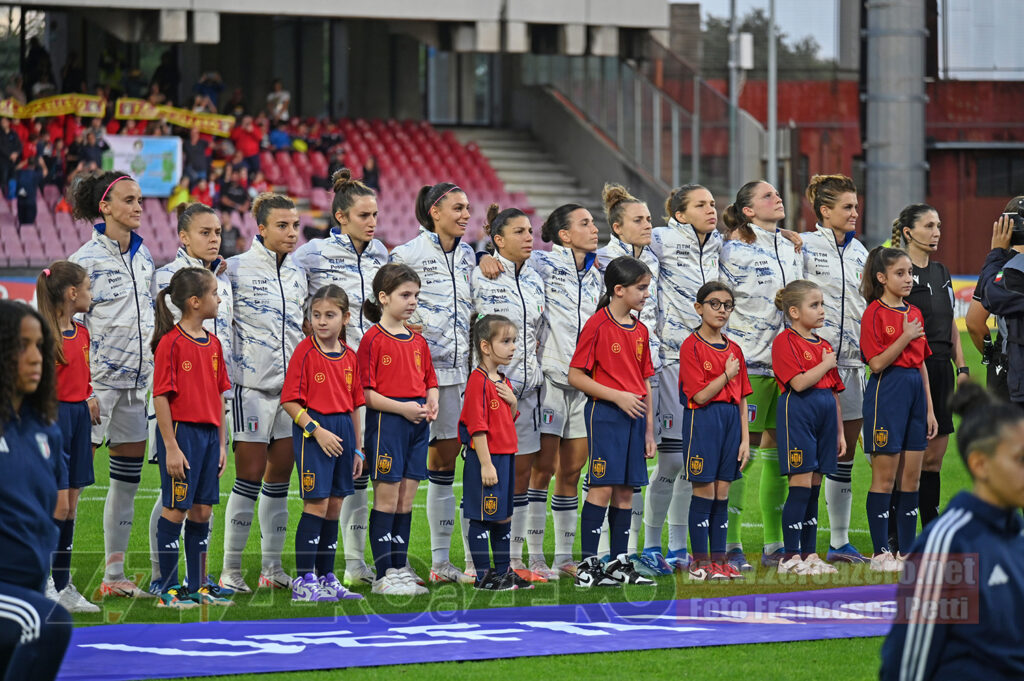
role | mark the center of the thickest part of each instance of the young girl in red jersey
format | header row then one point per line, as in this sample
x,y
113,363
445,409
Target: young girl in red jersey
x,y
612,365
713,387
321,394
810,421
400,387
63,290
189,381
899,420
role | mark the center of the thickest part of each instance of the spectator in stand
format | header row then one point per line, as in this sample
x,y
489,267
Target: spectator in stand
x,y
336,163
52,153
330,137
211,85
236,105
278,102
259,184
30,174
167,76
110,69
231,240
202,104
15,89
44,87
248,139
37,65
10,153
196,156
233,197
135,85
155,97
72,76
371,174
97,128
279,137
92,151
179,195
201,192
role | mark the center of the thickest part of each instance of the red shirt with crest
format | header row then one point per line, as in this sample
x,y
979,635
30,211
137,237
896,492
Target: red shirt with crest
x,y
190,373
73,377
700,362
614,355
483,411
324,382
792,355
395,366
882,325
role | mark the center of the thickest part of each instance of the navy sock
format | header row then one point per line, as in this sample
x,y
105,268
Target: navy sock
x,y
878,521
809,533
307,541
718,528
618,530
793,512
196,540
380,540
400,540
928,496
62,558
478,547
167,534
501,540
700,523
591,520
894,505
328,548
906,523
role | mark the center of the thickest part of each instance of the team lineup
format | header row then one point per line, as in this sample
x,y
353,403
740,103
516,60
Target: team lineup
x,y
714,350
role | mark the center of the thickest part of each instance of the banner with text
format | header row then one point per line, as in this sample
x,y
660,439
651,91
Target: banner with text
x,y
57,105
127,108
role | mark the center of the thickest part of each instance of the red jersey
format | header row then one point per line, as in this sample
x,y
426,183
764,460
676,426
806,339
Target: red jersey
x,y
880,328
191,374
792,355
700,362
614,355
73,378
483,411
327,383
394,366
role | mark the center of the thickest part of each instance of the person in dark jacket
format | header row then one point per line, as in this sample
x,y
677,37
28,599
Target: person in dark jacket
x,y
960,599
10,153
1001,285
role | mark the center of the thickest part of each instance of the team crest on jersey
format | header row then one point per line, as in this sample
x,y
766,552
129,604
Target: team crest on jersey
x,y
308,481
252,424
891,330
751,412
616,348
696,465
881,437
666,422
490,504
85,351
319,377
180,490
417,357
44,445
807,355
216,361
796,458
494,404
386,360
348,377
383,464
708,366
186,365
639,349
547,416
598,468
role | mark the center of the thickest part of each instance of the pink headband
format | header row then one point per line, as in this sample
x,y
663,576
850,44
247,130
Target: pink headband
x,y
455,188
123,177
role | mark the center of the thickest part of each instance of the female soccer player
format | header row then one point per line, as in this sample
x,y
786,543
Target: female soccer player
x,y
268,290
899,420
120,324
918,230
517,294
189,382
834,260
62,291
985,527
713,387
612,365
755,262
444,265
349,257
321,394
34,631
810,420
400,386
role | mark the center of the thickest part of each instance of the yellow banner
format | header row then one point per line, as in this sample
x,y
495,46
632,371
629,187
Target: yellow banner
x,y
127,108
57,105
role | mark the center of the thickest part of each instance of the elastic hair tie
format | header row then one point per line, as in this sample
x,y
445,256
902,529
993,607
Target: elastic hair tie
x,y
123,177
454,188
47,272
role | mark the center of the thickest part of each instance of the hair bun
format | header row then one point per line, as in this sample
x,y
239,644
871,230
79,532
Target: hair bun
x,y
340,178
968,397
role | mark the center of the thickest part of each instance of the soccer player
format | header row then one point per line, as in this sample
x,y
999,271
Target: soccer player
x,y
400,387
612,365
444,264
321,394
899,420
120,324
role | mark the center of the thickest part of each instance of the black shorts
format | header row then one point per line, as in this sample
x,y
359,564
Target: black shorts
x,y
941,383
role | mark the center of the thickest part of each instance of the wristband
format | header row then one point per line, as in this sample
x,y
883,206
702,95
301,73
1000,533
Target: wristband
x,y
310,428
963,371
301,412
360,454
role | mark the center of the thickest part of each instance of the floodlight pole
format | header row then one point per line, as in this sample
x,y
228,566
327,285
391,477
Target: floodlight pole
x,y
734,99
772,171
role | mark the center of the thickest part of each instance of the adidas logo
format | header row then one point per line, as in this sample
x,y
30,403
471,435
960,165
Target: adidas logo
x,y
333,547
172,545
482,536
704,523
812,521
912,513
596,531
386,539
998,576
796,526
884,516
314,541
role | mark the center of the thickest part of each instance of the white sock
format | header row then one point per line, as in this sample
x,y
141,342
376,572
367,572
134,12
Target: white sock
x,y
273,516
520,509
660,490
536,519
238,513
565,515
604,544
636,519
679,514
154,547
119,513
354,521
839,500
440,514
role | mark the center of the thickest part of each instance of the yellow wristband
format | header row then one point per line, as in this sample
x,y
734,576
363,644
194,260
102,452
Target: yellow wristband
x,y
301,412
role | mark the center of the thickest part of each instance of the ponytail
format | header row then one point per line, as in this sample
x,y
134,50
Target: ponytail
x,y
430,196
733,216
388,278
51,285
556,222
879,260
623,271
906,219
497,219
186,283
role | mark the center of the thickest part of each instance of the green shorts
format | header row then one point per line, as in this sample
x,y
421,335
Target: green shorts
x,y
762,403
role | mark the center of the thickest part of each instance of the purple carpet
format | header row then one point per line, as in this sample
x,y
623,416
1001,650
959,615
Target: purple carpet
x,y
151,651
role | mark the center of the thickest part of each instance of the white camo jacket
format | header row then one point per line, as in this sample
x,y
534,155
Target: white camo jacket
x,y
120,320
617,248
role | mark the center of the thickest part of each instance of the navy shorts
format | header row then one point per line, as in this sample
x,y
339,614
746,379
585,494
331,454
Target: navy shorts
x,y
807,430
200,442
895,412
76,434
320,475
492,503
615,443
395,447
711,440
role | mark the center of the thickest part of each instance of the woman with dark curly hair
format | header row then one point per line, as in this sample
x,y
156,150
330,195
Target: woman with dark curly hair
x,y
34,631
